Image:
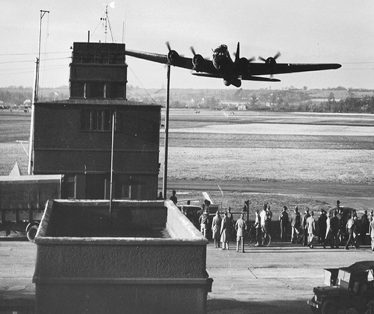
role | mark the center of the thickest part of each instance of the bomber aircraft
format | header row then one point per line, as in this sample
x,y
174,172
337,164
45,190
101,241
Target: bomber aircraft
x,y
231,71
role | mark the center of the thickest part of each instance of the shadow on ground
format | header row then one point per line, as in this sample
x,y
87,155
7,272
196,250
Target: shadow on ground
x,y
231,306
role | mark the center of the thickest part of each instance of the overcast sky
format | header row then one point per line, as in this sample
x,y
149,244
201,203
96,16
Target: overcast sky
x,y
304,31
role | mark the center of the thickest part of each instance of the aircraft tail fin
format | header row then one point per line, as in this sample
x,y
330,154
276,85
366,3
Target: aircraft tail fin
x,y
237,53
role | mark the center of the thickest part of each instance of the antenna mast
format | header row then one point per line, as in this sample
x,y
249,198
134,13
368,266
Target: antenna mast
x,y
35,98
107,22
36,91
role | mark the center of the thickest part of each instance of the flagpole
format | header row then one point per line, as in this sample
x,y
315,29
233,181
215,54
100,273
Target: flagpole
x,y
166,143
112,164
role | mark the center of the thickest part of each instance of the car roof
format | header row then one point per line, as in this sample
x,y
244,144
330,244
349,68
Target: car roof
x,y
359,267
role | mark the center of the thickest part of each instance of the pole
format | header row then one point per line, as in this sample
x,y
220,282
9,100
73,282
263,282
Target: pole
x,y
111,164
106,21
42,13
35,97
166,143
30,167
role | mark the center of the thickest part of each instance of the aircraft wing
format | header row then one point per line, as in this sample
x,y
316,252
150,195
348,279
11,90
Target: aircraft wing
x,y
279,68
177,61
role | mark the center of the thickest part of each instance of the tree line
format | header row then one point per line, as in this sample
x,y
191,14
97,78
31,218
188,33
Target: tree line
x,y
348,105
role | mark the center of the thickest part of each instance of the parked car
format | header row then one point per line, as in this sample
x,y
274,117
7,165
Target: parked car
x,y
347,290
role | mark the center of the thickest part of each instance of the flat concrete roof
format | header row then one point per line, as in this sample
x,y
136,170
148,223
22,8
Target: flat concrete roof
x,y
277,279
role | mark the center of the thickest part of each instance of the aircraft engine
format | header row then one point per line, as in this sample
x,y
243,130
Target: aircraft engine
x,y
271,60
172,57
198,62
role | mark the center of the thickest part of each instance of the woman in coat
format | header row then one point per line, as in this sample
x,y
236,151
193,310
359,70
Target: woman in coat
x,y
216,229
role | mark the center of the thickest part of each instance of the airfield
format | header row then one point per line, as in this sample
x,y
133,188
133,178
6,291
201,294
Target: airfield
x,y
304,159
277,279
284,158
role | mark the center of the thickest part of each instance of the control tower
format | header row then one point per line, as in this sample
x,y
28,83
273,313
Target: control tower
x,y
75,137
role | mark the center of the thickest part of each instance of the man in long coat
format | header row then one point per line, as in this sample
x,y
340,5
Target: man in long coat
x,y
240,227
311,228
216,229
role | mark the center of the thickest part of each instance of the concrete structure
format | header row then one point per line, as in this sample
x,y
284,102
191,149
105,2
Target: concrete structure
x,y
73,137
146,258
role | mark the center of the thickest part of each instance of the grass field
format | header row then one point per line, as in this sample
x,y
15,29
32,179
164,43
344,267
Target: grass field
x,y
271,164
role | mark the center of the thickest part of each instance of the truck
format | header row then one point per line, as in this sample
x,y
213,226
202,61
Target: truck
x,y
22,201
346,290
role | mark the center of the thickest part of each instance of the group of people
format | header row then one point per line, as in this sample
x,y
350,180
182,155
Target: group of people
x,y
223,229
337,227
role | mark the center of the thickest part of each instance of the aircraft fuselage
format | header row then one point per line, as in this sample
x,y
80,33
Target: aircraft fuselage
x,y
225,66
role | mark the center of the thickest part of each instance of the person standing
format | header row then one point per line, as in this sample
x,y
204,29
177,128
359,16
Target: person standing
x,y
351,230
240,227
371,230
263,218
266,237
364,227
224,232
216,229
334,229
342,227
204,220
258,228
305,229
328,230
295,225
322,227
311,228
284,221
269,216
231,229
174,198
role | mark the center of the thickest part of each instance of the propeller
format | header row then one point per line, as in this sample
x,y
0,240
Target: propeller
x,y
271,60
172,54
197,60
168,46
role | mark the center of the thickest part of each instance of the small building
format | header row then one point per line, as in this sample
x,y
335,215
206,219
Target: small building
x,y
73,137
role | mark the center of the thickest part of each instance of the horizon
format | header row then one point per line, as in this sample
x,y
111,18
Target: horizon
x,y
209,88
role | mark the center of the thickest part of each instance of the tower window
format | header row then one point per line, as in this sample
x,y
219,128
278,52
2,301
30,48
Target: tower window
x,y
96,120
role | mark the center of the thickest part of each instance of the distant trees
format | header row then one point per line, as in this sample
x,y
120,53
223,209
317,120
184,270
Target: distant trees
x,y
17,95
348,105
337,99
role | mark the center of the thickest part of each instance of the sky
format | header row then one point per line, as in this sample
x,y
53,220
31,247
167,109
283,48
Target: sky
x,y
304,31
